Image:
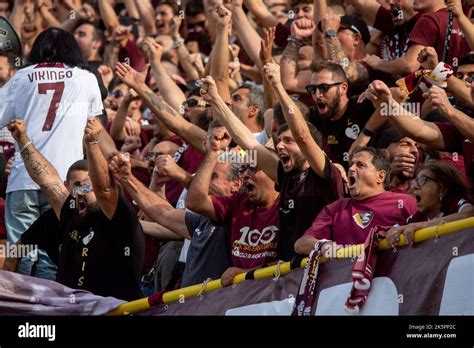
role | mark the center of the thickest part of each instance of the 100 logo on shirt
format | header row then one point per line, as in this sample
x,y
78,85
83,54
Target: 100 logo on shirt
x,y
255,237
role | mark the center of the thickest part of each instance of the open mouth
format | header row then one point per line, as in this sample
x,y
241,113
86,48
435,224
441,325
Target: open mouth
x,y
418,198
352,180
250,188
285,159
81,205
322,106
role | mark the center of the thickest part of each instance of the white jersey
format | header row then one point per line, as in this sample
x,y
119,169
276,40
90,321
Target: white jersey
x,y
55,101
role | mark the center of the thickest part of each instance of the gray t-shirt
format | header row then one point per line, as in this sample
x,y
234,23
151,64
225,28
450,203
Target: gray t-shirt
x,y
209,253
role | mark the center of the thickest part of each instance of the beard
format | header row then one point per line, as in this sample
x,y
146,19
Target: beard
x,y
92,212
333,107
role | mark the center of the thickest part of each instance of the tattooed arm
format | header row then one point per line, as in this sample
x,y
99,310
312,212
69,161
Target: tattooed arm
x,y
355,71
292,79
39,169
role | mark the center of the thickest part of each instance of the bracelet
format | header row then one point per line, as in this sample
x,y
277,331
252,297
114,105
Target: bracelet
x,y
25,147
178,43
368,132
93,142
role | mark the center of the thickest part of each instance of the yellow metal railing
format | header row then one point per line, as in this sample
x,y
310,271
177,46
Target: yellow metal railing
x,y
284,268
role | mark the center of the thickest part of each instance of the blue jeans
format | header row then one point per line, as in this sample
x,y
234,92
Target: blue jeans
x,y
22,208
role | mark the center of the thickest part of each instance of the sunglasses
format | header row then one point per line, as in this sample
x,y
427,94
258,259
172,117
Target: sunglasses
x,y
197,24
194,102
83,188
323,87
247,169
468,81
421,181
152,156
117,94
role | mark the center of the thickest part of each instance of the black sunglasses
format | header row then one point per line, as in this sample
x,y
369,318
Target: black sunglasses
x,y
194,102
197,24
249,169
152,156
323,87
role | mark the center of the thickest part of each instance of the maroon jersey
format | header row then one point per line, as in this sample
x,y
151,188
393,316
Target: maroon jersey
x,y
430,30
348,221
394,43
281,35
254,230
188,158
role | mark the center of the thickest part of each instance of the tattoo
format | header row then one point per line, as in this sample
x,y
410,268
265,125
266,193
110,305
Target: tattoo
x,y
159,104
55,192
354,71
290,57
38,168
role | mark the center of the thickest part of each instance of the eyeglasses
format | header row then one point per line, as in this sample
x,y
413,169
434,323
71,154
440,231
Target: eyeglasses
x,y
421,181
117,93
83,188
468,81
194,102
248,169
197,24
152,156
323,87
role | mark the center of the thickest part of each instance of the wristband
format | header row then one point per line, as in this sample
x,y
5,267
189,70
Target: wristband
x,y
25,147
368,132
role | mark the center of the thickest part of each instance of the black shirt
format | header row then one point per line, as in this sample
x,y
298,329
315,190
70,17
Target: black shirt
x,y
339,135
104,256
301,199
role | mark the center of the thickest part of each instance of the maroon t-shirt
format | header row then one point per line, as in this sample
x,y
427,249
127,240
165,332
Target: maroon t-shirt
x,y
188,158
254,230
135,57
455,141
395,41
302,198
430,30
348,221
281,35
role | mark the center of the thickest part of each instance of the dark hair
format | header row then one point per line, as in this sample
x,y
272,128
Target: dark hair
x,y
76,166
56,45
97,35
467,59
193,8
173,4
279,117
379,160
215,124
335,69
312,130
10,59
450,179
297,2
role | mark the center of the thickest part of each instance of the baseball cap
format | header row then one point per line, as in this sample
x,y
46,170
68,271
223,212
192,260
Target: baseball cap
x,y
354,23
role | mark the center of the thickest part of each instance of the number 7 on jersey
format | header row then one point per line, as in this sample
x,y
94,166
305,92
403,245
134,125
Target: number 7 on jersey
x,y
58,88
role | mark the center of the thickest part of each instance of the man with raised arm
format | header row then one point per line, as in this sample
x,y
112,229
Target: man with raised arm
x,y
101,246
303,174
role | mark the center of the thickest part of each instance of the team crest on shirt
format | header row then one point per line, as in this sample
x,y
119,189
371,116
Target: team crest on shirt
x,y
363,219
332,140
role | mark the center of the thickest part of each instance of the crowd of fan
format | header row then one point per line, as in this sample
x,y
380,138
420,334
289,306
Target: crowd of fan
x,y
234,133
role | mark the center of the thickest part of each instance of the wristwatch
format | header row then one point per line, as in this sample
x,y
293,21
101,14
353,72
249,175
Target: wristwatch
x,y
330,33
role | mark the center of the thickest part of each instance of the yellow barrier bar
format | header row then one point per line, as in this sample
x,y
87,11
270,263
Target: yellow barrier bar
x,y
271,271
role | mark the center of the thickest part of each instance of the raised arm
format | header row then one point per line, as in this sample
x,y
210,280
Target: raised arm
x,y
191,133
465,23
170,91
39,169
247,35
293,80
108,15
409,125
103,184
402,66
198,198
159,232
239,132
355,71
156,208
146,15
220,67
261,13
298,125
368,9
